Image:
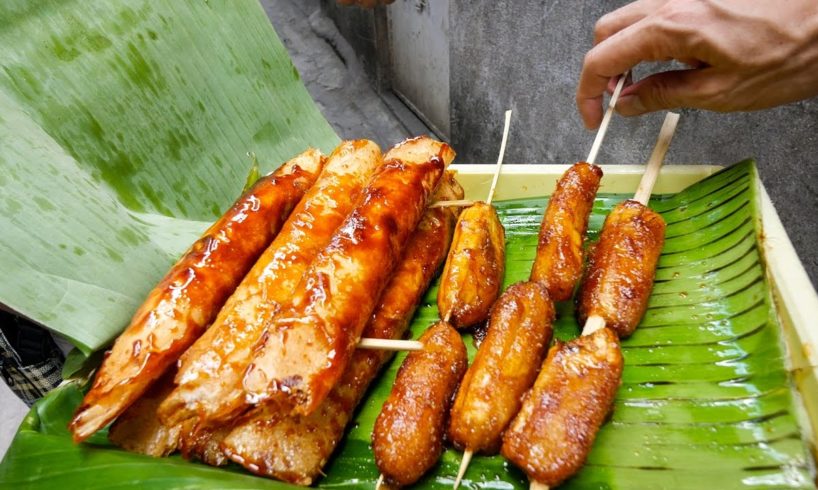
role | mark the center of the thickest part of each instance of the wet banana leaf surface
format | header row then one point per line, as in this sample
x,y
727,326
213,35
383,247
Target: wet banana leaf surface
x,y
124,131
706,399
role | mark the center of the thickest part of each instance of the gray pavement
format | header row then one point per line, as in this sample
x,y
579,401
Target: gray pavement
x,y
12,411
332,73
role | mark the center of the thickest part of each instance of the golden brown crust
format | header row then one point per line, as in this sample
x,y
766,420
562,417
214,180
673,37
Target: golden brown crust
x,y
503,369
186,301
210,373
551,436
294,448
474,270
620,272
309,343
203,443
139,429
559,260
407,439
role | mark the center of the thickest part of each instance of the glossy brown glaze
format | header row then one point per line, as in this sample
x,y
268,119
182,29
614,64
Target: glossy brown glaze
x,y
139,429
295,448
474,270
551,436
504,368
620,272
309,343
407,439
559,260
210,373
187,300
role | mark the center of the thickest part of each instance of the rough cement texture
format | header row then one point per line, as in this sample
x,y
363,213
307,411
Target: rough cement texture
x,y
332,72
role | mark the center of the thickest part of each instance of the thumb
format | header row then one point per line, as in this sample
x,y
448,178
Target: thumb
x,y
668,90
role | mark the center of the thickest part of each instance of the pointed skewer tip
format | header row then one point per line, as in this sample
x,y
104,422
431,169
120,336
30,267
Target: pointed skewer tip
x,y
464,464
506,126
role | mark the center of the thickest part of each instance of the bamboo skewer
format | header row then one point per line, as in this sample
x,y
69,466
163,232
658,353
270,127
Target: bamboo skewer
x,y
458,202
506,127
643,192
464,464
642,195
414,345
469,202
603,128
390,344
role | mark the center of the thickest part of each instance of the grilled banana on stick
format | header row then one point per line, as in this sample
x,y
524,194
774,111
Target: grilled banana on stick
x,y
480,415
473,274
179,309
551,436
210,372
295,448
504,368
408,436
309,342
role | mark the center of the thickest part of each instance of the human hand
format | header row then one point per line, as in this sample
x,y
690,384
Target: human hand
x,y
367,4
744,55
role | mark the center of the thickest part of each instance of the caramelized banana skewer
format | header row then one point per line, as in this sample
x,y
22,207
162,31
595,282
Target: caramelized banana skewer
x,y
310,341
478,247
408,435
553,433
503,370
558,267
474,270
210,372
179,309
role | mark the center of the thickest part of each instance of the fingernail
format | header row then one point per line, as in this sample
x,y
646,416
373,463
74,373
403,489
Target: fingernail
x,y
630,105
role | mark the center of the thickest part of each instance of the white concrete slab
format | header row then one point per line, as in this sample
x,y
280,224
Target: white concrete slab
x,y
12,411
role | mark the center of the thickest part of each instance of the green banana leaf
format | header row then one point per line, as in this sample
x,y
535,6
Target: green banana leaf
x,y
705,402
124,130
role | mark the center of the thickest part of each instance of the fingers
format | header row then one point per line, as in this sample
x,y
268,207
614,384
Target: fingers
x,y
643,41
700,89
619,19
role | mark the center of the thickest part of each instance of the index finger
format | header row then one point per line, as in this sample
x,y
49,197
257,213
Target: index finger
x,y
615,55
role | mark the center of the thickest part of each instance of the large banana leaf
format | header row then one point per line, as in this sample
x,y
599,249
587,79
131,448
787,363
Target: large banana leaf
x,y
124,129
706,400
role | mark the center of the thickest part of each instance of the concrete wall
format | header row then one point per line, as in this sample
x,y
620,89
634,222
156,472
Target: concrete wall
x,y
527,54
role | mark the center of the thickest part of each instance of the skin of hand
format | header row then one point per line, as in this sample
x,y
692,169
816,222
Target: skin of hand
x,y
743,55
367,4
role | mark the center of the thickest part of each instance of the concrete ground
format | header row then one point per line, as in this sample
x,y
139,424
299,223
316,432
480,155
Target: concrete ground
x,y
332,73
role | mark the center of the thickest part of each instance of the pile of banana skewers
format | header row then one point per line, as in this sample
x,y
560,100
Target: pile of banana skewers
x,y
262,339
542,415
